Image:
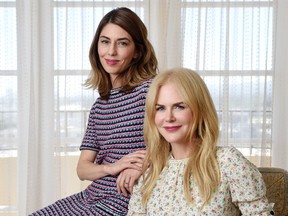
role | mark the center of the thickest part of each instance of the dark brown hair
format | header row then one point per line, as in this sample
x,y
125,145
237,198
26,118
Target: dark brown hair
x,y
143,67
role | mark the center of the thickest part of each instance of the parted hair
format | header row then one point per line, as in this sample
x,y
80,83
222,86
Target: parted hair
x,y
204,134
142,68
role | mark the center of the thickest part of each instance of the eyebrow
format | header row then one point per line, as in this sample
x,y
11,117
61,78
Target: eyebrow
x,y
175,104
118,39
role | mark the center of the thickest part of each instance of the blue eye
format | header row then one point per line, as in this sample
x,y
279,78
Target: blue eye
x,y
159,108
180,106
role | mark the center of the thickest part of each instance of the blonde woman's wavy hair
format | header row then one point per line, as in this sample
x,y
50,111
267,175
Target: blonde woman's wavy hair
x,y
204,132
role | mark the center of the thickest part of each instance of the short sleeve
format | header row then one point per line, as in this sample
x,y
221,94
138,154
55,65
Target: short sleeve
x,y
90,138
248,190
135,207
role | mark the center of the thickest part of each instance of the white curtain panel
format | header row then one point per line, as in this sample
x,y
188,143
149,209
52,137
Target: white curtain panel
x,y
38,168
280,96
238,47
232,46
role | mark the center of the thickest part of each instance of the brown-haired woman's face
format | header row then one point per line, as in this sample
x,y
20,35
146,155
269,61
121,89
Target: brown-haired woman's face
x,y
116,50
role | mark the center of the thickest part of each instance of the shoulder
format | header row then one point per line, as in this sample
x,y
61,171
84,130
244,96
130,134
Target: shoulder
x,y
228,153
145,84
96,103
231,159
142,89
245,182
233,163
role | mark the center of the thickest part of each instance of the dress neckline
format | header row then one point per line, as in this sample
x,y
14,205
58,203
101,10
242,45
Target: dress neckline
x,y
171,158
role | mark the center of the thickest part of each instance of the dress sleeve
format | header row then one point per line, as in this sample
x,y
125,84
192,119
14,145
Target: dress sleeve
x,y
248,190
135,207
89,141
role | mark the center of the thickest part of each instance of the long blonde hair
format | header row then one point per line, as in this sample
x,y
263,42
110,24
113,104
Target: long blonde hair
x,y
202,161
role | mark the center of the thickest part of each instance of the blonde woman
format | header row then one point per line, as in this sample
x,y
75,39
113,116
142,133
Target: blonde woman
x,y
186,173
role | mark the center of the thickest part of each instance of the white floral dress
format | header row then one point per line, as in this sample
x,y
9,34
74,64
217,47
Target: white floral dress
x,y
241,186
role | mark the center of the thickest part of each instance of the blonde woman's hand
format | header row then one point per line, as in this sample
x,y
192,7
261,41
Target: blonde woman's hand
x,y
126,180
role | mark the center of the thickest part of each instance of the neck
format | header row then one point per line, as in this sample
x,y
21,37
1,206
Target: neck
x,y
180,152
116,83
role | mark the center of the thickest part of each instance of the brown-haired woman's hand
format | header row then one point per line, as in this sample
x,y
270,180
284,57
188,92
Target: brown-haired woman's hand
x,y
131,161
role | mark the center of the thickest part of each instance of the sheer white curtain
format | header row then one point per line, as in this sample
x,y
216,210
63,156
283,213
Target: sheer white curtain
x,y
231,44
54,42
36,162
44,46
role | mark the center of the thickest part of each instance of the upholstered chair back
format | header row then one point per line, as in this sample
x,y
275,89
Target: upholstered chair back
x,y
276,181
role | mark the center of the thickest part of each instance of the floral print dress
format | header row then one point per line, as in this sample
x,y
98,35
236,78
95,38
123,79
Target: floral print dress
x,y
241,187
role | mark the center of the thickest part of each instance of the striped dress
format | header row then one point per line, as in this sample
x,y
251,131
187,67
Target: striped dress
x,y
115,129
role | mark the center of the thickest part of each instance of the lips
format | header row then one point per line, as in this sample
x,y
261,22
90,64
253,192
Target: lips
x,y
171,128
111,62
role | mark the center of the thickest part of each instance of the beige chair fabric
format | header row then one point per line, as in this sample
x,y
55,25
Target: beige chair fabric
x,y
276,181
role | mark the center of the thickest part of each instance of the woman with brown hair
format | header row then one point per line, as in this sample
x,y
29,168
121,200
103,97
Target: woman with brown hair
x,y
112,151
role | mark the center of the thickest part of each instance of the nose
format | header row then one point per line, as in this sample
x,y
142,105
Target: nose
x,y
112,49
169,117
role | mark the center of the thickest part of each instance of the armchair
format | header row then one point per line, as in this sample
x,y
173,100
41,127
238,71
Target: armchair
x,y
276,181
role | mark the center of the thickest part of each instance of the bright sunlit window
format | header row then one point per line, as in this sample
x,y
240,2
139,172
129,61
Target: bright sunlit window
x,y
229,42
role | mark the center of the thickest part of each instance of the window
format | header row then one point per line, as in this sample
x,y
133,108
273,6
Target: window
x,y
231,44
8,78
74,27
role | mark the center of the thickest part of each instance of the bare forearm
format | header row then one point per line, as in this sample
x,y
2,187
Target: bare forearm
x,y
87,169
91,171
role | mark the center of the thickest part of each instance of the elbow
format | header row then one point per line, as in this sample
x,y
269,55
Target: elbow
x,y
80,178
80,173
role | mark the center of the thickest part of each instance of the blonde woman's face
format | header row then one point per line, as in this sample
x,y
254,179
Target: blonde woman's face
x,y
173,117
116,50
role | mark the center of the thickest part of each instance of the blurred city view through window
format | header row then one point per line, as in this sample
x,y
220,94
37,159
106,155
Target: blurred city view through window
x,y
241,84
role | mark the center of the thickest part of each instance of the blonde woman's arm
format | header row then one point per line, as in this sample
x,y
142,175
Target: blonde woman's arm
x,y
248,190
135,207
